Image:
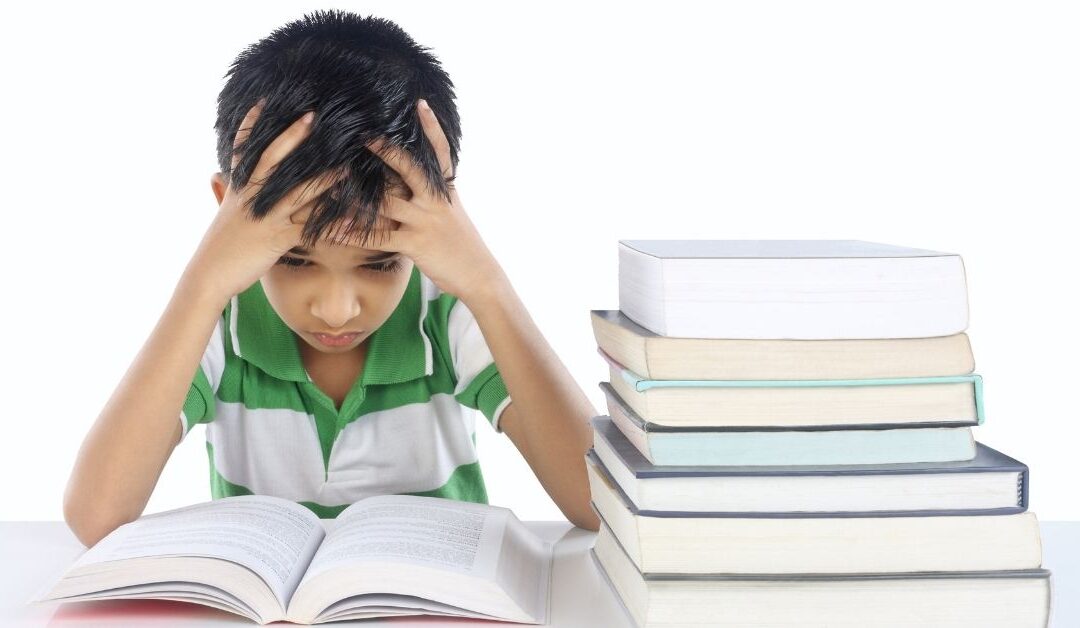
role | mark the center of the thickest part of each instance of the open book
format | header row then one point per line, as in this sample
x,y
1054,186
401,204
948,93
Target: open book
x,y
271,559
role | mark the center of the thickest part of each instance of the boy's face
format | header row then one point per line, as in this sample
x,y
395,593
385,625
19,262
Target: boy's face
x,y
336,289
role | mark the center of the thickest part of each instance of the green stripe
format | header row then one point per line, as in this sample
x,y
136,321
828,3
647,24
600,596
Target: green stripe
x,y
485,392
199,403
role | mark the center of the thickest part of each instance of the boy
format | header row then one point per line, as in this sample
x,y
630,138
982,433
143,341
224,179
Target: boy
x,y
338,141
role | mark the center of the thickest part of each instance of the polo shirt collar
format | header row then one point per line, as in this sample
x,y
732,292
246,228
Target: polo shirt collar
x,y
400,349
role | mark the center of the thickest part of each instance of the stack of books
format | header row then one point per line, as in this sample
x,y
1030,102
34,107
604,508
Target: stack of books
x,y
789,443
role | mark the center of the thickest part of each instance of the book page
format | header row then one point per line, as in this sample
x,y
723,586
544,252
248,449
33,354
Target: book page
x,y
376,604
449,535
273,537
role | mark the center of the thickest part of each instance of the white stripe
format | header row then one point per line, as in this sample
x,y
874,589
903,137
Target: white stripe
x,y
498,413
468,349
212,365
428,293
233,317
407,449
429,364
213,360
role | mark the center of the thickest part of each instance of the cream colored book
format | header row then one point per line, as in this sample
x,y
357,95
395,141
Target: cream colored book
x,y
987,599
270,559
668,357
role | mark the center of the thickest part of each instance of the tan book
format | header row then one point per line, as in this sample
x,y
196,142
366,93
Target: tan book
x,y
666,357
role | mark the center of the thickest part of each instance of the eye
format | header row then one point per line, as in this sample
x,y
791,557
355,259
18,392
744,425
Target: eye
x,y
292,263
389,266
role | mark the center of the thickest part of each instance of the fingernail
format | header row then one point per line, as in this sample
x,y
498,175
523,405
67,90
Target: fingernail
x,y
424,105
308,117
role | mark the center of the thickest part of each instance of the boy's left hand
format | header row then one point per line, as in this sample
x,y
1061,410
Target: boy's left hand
x,y
438,236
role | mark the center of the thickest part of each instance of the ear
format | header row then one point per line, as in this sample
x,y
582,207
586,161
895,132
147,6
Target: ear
x,y
219,185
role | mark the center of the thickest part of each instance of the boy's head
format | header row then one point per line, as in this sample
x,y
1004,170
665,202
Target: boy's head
x,y
362,76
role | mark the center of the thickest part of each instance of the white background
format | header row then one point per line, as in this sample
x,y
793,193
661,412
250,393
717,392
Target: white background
x,y
941,125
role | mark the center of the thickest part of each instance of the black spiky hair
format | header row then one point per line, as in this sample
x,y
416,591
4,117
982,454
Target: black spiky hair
x,y
362,76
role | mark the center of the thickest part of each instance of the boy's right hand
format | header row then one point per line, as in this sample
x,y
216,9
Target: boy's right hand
x,y
237,250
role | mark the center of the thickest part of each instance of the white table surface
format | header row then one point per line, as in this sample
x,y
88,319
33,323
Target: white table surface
x,y
33,553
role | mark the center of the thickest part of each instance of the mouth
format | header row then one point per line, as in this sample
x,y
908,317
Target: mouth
x,y
336,341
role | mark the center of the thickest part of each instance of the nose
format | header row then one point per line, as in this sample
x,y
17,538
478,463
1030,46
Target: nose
x,y
336,304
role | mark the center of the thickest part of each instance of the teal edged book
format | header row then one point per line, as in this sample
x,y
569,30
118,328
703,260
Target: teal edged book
x,y
771,445
952,400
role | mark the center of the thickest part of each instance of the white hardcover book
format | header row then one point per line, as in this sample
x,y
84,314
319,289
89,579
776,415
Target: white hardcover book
x,y
791,289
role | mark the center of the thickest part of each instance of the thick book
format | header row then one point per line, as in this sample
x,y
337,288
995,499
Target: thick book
x,y
270,559
654,356
987,599
990,484
791,289
691,542
790,445
954,399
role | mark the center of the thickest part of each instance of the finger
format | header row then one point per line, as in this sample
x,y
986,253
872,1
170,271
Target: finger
x,y
385,235
433,131
245,129
401,162
282,145
389,240
401,210
299,201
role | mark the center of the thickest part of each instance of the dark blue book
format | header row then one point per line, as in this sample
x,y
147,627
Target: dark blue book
x,y
803,543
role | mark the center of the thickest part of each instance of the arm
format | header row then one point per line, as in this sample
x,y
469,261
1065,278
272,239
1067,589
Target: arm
x,y
122,457
548,417
126,449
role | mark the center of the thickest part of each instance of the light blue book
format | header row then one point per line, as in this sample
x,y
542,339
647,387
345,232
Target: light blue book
x,y
740,446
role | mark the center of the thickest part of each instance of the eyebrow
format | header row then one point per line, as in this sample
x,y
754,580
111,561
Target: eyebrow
x,y
378,257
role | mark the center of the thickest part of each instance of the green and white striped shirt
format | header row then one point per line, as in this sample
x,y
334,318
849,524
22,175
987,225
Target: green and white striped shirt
x,y
407,425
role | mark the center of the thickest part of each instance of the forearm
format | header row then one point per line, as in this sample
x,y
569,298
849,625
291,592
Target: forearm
x,y
552,429
128,445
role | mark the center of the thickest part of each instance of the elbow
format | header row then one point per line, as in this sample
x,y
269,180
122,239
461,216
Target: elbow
x,y
588,520
89,523
87,531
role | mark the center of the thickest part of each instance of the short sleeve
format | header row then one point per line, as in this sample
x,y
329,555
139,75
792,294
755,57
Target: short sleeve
x,y
479,386
199,404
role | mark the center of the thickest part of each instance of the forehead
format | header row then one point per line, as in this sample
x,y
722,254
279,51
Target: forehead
x,y
328,245
327,248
